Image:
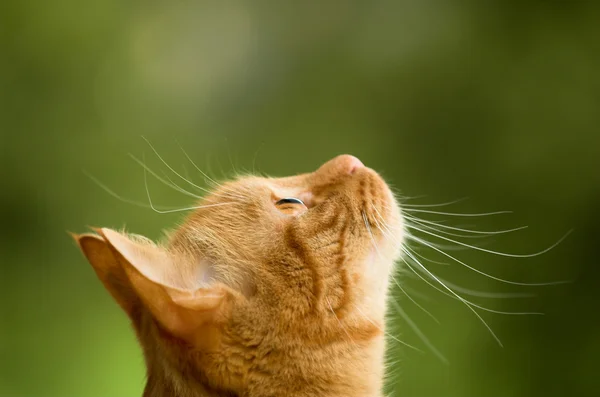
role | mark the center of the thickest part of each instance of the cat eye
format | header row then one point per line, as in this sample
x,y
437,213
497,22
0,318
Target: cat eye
x,y
291,206
289,200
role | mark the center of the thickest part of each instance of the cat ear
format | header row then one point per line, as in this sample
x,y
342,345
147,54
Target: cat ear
x,y
146,268
104,262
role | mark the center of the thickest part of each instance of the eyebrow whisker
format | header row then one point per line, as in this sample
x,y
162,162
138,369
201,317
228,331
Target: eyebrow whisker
x,y
161,179
178,209
205,175
121,198
175,172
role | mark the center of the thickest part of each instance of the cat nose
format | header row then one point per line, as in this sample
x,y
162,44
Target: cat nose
x,y
351,163
341,165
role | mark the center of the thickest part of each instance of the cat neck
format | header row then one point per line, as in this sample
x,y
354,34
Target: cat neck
x,y
359,373
160,385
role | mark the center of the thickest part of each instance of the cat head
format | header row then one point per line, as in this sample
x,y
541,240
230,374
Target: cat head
x,y
261,265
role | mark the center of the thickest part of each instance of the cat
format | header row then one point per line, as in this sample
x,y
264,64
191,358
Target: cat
x,y
271,287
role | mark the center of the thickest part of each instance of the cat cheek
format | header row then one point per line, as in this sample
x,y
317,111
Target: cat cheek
x,y
291,210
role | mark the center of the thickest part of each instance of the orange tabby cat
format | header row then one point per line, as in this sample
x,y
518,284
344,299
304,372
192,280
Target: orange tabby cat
x,y
271,287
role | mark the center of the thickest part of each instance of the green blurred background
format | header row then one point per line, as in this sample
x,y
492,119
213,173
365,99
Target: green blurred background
x,y
498,101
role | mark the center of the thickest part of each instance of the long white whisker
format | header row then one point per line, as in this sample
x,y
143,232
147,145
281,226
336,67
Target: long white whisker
x,y
119,197
173,170
179,209
417,330
382,227
417,220
447,247
421,241
490,295
387,333
491,251
469,305
426,258
429,227
454,295
464,300
419,333
479,294
407,249
160,179
179,188
434,205
414,302
457,214
198,168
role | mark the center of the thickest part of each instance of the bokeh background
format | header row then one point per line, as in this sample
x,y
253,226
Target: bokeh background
x,y
497,101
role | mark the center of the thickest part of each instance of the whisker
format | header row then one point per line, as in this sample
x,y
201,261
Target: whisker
x,y
173,182
173,170
394,278
426,258
414,302
495,252
401,197
419,333
447,247
421,241
467,303
179,209
457,214
417,220
160,179
470,305
435,205
197,168
490,295
198,207
414,292
464,300
254,158
119,197
445,232
387,333
471,292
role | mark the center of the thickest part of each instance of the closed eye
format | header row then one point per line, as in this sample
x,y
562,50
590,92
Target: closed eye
x,y
289,200
291,206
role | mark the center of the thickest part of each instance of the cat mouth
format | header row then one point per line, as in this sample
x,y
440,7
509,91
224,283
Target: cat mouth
x,y
380,214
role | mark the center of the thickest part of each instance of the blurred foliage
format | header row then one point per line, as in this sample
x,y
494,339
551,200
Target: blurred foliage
x,y
498,101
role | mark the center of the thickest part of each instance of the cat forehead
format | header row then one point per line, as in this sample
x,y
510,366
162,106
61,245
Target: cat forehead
x,y
290,186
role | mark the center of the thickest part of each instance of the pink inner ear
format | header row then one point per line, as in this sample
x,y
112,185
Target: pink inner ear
x,y
148,259
181,311
201,299
160,266
100,255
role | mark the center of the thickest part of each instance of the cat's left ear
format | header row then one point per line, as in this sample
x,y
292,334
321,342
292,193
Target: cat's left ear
x,y
152,271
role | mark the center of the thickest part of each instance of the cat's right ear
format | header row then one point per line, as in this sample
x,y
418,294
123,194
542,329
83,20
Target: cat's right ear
x,y
112,275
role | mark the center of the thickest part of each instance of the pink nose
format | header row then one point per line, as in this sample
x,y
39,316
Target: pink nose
x,y
341,165
353,163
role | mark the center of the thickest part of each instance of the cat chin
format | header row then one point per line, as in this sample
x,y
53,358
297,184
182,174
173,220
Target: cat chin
x,y
378,268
